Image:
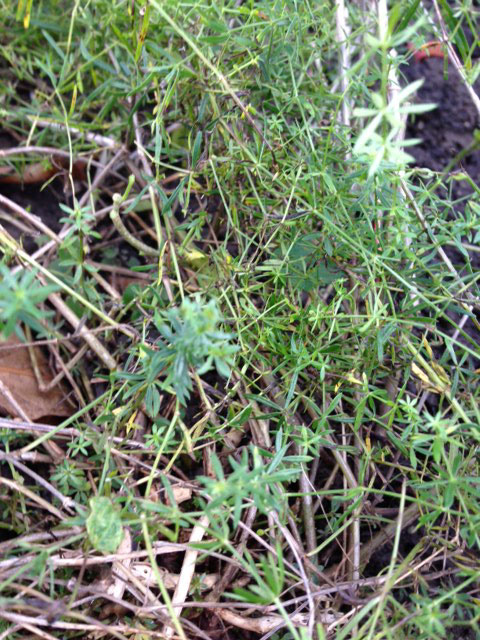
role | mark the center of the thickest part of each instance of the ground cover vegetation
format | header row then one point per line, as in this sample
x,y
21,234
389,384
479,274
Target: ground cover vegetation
x,y
239,360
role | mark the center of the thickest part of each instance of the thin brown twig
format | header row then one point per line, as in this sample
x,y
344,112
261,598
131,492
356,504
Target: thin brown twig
x,y
187,571
43,504
68,375
32,149
69,432
38,633
123,271
32,219
52,448
6,393
67,503
273,622
63,339
31,347
77,558
101,141
79,326
8,633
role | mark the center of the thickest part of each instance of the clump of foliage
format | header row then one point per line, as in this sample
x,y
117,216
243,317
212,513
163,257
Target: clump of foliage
x,y
270,191
192,340
20,298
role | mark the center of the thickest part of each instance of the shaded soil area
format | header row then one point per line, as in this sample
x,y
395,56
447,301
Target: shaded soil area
x,y
449,128
445,133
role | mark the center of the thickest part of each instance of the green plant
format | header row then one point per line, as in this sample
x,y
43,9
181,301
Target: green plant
x,y
270,579
269,224
104,525
388,116
20,297
72,252
255,482
80,445
158,435
71,479
191,339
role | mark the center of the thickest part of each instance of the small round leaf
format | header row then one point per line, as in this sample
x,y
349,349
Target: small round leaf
x,y
104,526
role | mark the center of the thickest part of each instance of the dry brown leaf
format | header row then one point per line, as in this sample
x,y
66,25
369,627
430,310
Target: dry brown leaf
x,y
266,624
145,573
181,494
42,171
17,375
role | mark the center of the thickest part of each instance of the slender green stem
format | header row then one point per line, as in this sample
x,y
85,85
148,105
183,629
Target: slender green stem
x,y
125,233
166,598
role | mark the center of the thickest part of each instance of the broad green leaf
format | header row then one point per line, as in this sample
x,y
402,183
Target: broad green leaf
x,y
104,526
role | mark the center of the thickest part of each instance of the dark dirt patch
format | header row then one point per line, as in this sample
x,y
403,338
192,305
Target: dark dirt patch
x,y
42,203
450,127
444,133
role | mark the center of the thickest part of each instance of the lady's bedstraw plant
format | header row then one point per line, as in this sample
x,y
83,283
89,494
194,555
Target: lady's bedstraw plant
x,y
388,116
80,219
254,479
190,338
20,297
381,139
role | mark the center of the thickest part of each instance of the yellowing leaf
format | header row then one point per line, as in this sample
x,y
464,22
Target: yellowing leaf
x,y
195,258
420,374
441,373
429,384
428,348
